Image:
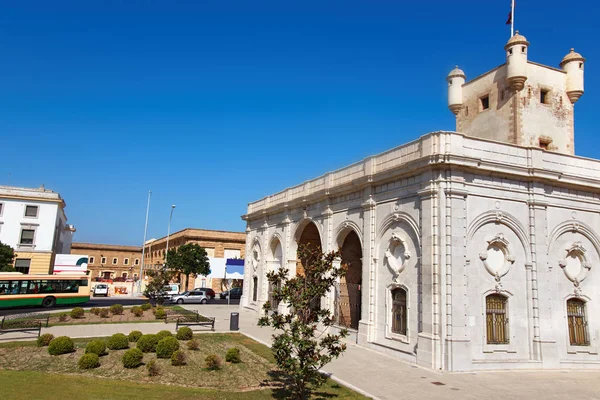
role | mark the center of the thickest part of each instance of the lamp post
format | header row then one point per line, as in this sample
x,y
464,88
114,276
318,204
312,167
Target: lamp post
x,y
144,244
169,233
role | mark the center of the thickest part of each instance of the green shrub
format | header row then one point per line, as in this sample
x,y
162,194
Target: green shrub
x,y
118,341
137,311
178,358
212,362
97,347
77,312
185,333
45,339
61,345
132,358
62,317
116,309
152,368
160,313
193,344
147,343
146,306
166,347
233,355
163,334
95,310
89,361
134,336
103,313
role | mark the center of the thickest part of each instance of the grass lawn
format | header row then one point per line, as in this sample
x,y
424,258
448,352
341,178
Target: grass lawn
x,y
29,371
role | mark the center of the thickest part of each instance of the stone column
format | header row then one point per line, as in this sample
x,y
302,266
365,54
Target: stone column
x,y
366,325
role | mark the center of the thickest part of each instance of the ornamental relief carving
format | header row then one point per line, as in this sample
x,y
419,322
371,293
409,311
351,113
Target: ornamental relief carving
x,y
497,259
397,256
575,265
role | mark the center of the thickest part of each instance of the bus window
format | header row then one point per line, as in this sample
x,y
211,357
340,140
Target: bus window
x,y
4,287
20,287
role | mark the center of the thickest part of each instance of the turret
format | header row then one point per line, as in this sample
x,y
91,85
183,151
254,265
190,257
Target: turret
x,y
572,64
456,78
516,61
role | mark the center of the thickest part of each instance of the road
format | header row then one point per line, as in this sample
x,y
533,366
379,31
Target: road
x,y
97,302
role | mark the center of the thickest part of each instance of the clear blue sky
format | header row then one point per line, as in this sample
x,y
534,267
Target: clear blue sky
x,y
213,104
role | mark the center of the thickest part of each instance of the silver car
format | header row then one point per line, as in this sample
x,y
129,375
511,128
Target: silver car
x,y
193,296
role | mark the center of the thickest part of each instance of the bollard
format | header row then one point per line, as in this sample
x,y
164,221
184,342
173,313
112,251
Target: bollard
x,y
234,321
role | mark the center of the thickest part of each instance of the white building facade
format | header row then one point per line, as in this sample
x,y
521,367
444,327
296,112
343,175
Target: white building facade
x,y
465,251
33,222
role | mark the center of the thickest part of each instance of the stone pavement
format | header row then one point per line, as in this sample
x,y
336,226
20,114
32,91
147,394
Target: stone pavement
x,y
383,377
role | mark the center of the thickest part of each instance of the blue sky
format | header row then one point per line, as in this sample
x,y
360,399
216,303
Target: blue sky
x,y
213,104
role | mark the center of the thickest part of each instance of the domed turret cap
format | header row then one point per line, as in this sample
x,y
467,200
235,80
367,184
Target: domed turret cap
x,y
456,72
572,56
516,39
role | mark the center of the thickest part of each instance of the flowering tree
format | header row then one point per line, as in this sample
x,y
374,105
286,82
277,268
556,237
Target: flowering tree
x,y
301,344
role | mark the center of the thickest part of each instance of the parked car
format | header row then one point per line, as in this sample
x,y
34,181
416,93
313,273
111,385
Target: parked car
x,y
193,296
171,290
236,293
101,289
209,292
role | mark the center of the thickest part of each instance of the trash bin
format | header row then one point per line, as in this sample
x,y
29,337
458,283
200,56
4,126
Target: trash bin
x,y
234,321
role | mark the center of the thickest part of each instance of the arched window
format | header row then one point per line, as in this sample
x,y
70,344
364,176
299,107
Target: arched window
x,y
496,319
578,335
399,314
254,288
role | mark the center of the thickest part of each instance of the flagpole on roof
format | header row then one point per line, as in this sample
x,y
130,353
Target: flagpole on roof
x,y
512,19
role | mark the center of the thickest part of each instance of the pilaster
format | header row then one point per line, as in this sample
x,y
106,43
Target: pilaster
x,y
366,325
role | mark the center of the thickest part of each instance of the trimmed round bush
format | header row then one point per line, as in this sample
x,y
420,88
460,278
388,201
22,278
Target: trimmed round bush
x,y
97,347
152,368
233,355
61,345
116,309
132,358
137,311
147,343
95,310
134,336
62,317
160,313
212,362
185,333
118,341
45,339
166,347
178,358
193,344
89,361
163,334
103,313
77,312
146,306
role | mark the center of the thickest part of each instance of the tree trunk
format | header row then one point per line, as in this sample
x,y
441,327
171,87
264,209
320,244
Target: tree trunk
x,y
187,279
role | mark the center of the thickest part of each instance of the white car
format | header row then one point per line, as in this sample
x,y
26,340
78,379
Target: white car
x,y
101,289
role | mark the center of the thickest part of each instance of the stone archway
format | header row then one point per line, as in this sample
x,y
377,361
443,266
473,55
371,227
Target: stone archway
x,y
275,263
310,237
348,294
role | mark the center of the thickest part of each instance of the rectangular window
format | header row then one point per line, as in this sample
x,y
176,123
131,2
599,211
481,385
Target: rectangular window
x,y
103,260
578,335
27,236
115,261
126,261
544,98
91,260
496,319
254,288
232,253
137,261
31,211
485,102
399,320
22,265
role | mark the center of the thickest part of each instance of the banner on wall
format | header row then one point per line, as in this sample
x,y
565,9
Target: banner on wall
x,y
74,263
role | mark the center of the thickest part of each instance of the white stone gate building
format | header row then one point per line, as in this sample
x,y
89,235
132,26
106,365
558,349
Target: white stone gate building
x,y
465,251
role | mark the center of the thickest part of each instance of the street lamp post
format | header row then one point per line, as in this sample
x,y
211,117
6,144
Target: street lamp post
x,y
144,244
169,233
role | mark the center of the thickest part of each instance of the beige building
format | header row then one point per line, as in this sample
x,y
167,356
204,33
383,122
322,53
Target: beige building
x,y
110,261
